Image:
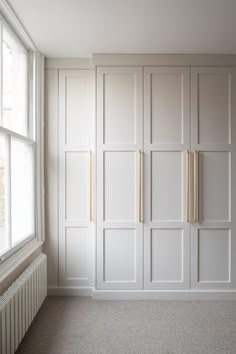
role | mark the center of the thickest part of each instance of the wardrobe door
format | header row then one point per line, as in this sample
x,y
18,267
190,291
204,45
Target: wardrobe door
x,y
119,139
76,159
166,189
213,126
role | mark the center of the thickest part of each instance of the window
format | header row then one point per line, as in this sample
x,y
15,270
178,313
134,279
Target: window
x,y
17,145
14,84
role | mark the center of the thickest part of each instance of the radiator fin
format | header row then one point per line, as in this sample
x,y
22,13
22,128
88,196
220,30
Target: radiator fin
x,y
20,303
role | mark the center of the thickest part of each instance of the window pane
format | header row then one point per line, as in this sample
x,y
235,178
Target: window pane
x,y
14,96
21,190
3,194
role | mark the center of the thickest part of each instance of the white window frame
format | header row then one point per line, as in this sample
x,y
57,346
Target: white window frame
x,y
15,256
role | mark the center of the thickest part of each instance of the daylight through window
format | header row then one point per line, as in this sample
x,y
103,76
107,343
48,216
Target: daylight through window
x,y
17,145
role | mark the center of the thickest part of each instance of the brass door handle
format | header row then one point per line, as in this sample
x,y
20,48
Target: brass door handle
x,y
139,186
90,186
195,188
187,186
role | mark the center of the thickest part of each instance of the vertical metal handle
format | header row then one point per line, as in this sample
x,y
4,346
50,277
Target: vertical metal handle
x,y
187,186
90,186
139,187
195,187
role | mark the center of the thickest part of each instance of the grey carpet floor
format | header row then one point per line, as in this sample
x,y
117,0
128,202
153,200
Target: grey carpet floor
x,y
71,325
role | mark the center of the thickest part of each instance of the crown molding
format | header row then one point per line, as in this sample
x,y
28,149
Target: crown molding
x,y
8,14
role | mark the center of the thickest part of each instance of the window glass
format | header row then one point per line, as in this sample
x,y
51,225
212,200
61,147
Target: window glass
x,y
14,95
17,165
21,190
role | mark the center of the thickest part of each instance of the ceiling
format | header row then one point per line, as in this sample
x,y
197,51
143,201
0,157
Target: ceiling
x,y
78,28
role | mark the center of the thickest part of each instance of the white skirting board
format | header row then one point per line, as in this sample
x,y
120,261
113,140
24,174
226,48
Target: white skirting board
x,y
142,294
163,295
69,291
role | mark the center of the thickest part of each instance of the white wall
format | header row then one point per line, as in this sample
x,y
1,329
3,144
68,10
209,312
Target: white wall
x,y
51,174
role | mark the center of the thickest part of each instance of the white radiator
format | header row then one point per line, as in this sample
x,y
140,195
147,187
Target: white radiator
x,y
20,303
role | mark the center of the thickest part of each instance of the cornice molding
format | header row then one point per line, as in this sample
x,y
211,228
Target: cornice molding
x,y
10,16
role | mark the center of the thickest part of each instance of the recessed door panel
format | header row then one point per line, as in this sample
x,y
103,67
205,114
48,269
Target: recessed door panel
x,y
167,186
214,186
119,255
167,255
77,185
78,112
214,250
119,108
120,186
167,107
213,108
76,253
120,105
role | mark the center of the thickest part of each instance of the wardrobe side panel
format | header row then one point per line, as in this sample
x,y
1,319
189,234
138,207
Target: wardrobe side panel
x,y
76,178
213,133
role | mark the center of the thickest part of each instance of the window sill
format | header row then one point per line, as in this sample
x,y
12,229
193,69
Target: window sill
x,y
13,262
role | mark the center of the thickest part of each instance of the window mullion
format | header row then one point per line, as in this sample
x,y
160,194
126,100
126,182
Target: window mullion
x,y
35,196
18,136
1,73
28,125
9,201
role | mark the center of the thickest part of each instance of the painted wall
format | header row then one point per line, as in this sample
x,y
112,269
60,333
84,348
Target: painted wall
x,y
51,173
14,275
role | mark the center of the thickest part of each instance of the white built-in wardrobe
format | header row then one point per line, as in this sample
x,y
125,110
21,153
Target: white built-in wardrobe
x,y
147,176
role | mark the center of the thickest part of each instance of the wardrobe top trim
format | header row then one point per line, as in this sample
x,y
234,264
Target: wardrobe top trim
x,y
164,60
68,63
141,60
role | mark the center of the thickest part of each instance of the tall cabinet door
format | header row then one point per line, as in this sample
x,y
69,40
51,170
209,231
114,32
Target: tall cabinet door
x,y
213,137
119,139
166,189
76,159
